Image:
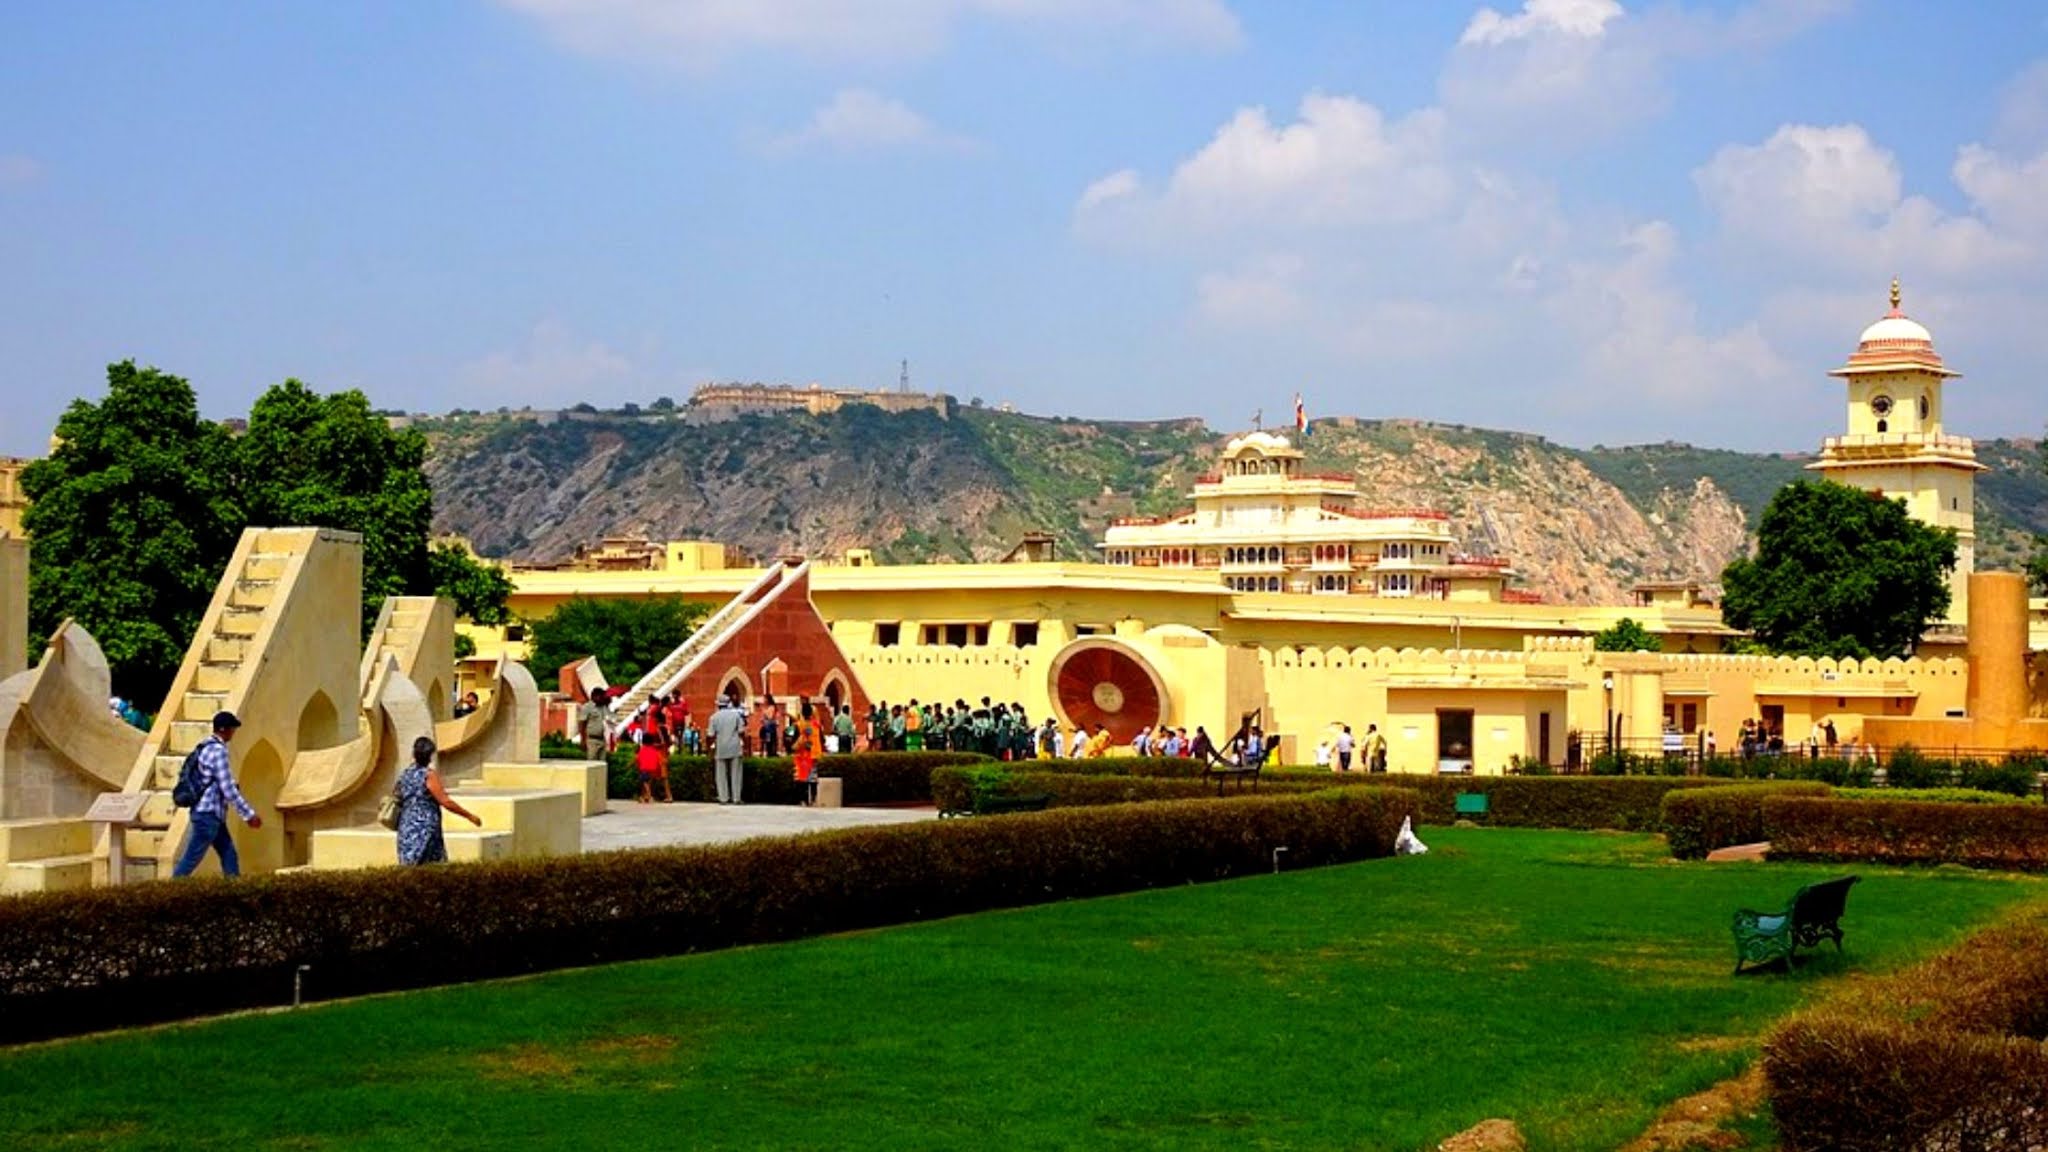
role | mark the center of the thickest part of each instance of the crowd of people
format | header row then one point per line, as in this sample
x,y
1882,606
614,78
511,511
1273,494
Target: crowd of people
x,y
997,729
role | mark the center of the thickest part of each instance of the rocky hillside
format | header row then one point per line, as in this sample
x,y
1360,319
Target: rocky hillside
x,y
1580,525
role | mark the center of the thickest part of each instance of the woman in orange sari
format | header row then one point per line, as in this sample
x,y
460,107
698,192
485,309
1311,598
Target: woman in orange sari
x,y
805,753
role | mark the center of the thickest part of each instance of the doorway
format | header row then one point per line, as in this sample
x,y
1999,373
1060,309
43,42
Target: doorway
x,y
1454,740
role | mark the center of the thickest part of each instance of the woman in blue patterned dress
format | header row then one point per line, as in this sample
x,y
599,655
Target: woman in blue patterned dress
x,y
420,800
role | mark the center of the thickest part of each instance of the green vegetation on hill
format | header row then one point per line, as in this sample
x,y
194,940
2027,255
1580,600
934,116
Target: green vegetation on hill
x,y
1642,471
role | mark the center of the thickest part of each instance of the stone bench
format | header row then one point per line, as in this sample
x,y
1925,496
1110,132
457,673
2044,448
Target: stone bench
x,y
542,821
374,846
585,776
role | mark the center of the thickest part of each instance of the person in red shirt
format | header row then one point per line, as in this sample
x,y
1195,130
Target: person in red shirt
x,y
652,758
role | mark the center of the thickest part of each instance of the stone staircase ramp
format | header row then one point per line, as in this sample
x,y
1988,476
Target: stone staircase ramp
x,y
214,677
730,618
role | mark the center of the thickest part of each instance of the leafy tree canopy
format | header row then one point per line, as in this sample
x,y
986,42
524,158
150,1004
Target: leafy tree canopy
x,y
628,637
133,513
1626,636
329,462
479,590
1839,572
138,508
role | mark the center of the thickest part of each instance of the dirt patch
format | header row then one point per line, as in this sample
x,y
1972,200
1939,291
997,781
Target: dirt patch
x,y
525,1062
645,1045
567,1063
1715,1043
1695,1124
1486,1136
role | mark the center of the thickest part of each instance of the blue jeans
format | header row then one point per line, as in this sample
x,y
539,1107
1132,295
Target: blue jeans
x,y
209,830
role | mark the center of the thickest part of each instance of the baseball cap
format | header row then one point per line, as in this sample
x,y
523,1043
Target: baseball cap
x,y
225,720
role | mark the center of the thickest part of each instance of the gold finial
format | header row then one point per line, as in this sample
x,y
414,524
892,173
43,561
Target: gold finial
x,y
1895,293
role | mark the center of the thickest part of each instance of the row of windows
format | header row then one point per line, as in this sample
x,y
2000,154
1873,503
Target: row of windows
x,y
1253,583
1403,550
1270,554
967,634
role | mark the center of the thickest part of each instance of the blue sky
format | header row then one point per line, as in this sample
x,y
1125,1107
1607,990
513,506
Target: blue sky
x,y
1603,223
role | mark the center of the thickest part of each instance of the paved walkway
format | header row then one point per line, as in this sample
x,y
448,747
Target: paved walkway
x,y
626,824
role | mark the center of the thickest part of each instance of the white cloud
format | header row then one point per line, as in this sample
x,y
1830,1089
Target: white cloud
x,y
2023,110
1570,17
701,33
1642,333
1833,196
1265,295
551,364
859,120
1570,72
17,170
1115,186
1340,162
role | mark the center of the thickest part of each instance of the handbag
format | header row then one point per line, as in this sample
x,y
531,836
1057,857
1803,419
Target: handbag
x,y
387,809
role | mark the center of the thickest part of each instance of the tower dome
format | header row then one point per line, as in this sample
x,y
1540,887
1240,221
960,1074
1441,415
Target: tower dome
x,y
1895,341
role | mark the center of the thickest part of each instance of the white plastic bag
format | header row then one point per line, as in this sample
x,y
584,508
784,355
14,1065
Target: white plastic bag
x,y
1405,844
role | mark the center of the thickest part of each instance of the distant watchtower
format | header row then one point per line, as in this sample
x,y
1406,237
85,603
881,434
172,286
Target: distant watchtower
x,y
1895,445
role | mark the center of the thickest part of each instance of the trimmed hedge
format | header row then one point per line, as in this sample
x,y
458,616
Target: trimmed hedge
x,y
1932,795
1621,803
1947,1054
1699,820
79,961
1901,832
953,788
870,777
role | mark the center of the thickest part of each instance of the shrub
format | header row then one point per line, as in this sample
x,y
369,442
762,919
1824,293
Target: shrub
x,y
1699,820
1907,768
1838,771
77,961
956,789
2014,776
1904,832
1622,803
554,746
1947,1054
1169,767
1929,795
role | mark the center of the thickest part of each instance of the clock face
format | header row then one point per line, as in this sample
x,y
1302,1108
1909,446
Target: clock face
x,y
1882,405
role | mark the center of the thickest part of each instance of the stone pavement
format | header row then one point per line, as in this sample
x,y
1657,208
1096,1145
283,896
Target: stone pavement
x,y
626,824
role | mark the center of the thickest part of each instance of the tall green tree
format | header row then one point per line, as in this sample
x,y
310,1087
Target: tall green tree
x,y
332,462
136,512
133,513
1839,572
328,462
479,590
1626,636
628,636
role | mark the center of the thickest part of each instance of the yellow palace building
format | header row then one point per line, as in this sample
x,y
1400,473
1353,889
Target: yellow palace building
x,y
1276,594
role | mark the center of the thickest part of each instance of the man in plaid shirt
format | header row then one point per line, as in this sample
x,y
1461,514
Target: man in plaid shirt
x,y
217,790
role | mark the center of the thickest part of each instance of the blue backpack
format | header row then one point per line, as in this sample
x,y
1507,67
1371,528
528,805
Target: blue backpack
x,y
191,783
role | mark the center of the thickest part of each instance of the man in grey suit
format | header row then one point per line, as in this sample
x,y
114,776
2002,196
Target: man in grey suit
x,y
726,725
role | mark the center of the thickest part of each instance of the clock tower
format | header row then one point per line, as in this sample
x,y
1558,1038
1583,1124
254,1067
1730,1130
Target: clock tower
x,y
1895,445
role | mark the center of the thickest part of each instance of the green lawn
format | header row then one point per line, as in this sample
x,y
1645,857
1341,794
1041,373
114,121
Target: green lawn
x,y
1572,982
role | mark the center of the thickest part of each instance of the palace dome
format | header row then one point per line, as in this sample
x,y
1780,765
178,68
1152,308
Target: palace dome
x,y
1895,342
1896,329
1264,442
